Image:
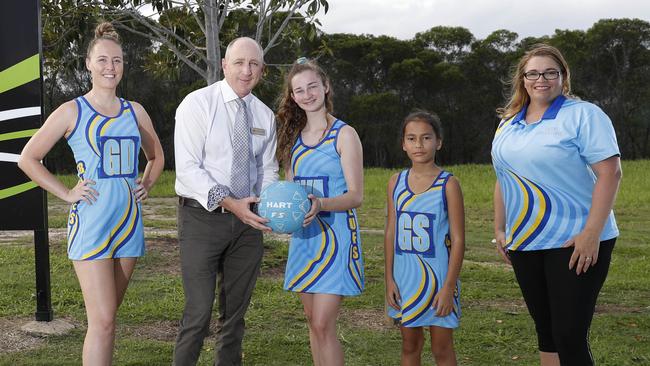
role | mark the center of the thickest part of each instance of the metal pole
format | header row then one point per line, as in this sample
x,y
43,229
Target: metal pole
x,y
43,296
41,241
42,268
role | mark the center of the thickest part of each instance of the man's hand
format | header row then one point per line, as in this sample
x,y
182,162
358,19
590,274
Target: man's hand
x,y
241,209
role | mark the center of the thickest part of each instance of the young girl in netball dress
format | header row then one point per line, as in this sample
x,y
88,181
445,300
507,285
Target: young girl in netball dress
x,y
424,245
322,153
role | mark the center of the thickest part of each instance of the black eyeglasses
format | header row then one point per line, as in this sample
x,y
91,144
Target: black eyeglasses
x,y
548,75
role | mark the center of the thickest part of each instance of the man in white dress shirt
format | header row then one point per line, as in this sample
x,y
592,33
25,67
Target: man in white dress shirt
x,y
220,235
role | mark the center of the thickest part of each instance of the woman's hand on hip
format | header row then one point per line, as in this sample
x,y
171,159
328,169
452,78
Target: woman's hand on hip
x,y
585,250
82,192
141,192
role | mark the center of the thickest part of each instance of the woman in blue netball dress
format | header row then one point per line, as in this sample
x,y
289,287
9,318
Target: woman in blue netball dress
x,y
323,154
424,245
105,230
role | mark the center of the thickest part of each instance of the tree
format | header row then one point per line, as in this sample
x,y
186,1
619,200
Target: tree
x,y
618,65
376,80
375,119
452,43
192,29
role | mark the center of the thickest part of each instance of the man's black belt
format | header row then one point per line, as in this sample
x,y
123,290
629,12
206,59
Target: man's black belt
x,y
190,202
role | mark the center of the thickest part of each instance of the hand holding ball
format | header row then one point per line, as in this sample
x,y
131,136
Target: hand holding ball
x,y
285,205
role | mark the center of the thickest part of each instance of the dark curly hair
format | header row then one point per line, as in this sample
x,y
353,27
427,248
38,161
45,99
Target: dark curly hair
x,y
291,119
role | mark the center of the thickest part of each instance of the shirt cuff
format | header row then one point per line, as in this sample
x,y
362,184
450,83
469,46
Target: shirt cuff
x,y
216,195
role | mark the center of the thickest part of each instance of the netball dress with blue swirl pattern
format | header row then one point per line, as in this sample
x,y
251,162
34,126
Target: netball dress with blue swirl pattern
x,y
324,257
106,151
421,259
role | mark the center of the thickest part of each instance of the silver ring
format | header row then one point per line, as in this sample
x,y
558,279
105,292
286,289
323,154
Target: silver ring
x,y
588,258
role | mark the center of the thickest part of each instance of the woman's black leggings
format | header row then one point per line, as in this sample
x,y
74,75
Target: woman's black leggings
x,y
560,302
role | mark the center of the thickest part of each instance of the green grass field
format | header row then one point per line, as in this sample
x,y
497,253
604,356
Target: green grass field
x,y
495,329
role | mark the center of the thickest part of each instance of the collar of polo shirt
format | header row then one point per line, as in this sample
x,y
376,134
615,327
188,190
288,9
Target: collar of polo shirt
x,y
550,113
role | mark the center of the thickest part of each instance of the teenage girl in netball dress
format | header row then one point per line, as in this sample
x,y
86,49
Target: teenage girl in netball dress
x,y
323,154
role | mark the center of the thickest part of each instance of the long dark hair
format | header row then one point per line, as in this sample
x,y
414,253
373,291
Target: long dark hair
x,y
291,119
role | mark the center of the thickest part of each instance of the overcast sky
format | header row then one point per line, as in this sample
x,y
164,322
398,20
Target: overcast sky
x,y
403,18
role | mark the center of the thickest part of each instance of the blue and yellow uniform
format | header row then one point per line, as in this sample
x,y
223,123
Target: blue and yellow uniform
x,y
324,257
544,172
421,259
106,151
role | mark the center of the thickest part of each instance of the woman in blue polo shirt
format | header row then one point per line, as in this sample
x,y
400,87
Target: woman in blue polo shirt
x,y
558,169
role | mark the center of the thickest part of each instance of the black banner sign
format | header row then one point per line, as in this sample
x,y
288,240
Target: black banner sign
x,y
21,201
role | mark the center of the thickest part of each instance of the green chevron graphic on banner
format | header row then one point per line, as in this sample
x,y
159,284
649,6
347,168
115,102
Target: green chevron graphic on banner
x,y
17,134
12,191
20,73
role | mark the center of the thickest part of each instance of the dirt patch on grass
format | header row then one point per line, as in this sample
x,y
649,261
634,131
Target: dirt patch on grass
x,y
164,331
508,306
166,248
497,264
272,272
168,255
366,318
26,237
620,309
14,339
518,306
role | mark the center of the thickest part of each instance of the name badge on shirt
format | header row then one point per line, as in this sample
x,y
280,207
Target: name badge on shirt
x,y
258,131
